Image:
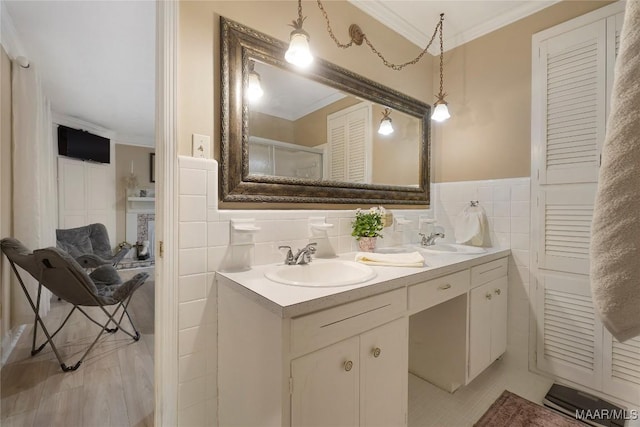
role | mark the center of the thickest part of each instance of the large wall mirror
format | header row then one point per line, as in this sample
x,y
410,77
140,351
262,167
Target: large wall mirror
x,y
312,136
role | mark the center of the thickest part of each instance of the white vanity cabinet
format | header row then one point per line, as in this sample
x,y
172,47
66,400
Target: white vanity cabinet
x,y
342,359
487,315
359,381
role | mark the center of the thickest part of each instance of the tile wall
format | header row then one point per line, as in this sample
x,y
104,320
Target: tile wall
x,y
203,247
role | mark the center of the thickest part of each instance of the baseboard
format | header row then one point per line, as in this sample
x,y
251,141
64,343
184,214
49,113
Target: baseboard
x,y
9,342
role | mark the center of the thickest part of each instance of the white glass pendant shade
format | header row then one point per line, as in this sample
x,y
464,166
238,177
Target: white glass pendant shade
x,y
254,91
386,128
299,53
441,112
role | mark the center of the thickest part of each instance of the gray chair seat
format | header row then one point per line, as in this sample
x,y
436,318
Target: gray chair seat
x,y
89,245
61,274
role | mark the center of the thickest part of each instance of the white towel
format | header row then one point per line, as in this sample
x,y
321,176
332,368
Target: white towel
x,y
411,259
615,241
470,226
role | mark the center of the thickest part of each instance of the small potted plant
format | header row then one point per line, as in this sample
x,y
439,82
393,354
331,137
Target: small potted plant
x,y
367,227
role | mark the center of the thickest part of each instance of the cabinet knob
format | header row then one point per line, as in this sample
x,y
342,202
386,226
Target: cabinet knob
x,y
488,296
444,287
498,291
348,365
376,352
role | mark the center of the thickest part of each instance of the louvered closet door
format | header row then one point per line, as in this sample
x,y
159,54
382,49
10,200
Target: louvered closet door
x,y
564,214
573,104
614,27
569,333
359,124
621,369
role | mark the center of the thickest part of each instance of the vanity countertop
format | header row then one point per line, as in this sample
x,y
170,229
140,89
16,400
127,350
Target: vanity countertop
x,y
292,301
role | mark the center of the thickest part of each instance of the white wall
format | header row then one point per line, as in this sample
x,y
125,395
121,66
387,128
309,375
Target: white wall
x,y
204,238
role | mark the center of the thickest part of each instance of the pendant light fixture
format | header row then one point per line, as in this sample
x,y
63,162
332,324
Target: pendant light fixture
x,y
386,128
440,109
254,91
299,53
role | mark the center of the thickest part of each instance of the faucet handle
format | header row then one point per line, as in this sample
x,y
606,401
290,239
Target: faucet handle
x,y
289,255
311,247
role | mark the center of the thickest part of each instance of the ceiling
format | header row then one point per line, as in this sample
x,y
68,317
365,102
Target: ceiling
x,y
96,59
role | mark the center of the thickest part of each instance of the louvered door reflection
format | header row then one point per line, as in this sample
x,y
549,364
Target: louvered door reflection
x,y
571,334
349,144
565,214
574,91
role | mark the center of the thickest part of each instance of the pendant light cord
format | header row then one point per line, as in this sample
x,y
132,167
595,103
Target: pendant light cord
x,y
441,94
396,67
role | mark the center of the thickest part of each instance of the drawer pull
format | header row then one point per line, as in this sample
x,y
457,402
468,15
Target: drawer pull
x,y
498,291
444,287
348,365
488,296
376,352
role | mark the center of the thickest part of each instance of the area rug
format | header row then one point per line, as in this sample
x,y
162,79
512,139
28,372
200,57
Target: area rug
x,y
511,410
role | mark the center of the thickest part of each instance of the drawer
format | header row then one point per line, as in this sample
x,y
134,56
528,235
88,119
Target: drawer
x,y
433,292
484,273
328,326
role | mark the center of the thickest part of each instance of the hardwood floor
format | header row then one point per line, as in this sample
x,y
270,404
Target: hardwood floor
x,y
113,387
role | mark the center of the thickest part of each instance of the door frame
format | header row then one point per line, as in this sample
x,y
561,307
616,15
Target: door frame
x,y
166,271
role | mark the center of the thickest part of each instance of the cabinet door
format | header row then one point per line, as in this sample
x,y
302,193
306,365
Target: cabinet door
x,y
480,329
383,375
498,317
325,386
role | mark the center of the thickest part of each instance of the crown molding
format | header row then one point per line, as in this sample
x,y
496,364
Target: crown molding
x,y
9,36
386,15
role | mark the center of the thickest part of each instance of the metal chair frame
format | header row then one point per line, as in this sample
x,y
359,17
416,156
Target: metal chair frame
x,y
124,304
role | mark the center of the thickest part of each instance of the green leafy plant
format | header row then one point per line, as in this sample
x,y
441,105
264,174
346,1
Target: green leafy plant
x,y
368,223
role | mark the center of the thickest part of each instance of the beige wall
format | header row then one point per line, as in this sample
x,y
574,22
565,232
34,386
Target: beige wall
x,y
488,82
125,154
311,130
199,59
271,127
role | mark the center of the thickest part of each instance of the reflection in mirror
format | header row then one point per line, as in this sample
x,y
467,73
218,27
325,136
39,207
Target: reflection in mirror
x,y
313,136
312,130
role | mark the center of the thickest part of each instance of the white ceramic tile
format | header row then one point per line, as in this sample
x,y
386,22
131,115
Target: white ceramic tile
x,y
520,241
268,253
191,366
189,162
192,288
193,208
501,193
192,392
215,257
193,182
520,224
501,209
485,194
192,235
192,261
520,192
520,257
213,215
218,233
519,272
520,209
212,188
501,240
502,224
191,340
191,314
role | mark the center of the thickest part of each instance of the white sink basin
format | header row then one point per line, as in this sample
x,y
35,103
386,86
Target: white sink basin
x,y
452,248
321,274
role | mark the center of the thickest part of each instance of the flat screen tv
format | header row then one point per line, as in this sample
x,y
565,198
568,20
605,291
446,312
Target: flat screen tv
x,y
83,145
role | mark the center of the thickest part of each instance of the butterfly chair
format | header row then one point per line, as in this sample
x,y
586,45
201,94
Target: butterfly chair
x,y
60,273
89,245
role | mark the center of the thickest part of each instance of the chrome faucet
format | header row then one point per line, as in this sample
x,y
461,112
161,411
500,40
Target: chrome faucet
x,y
303,256
430,240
